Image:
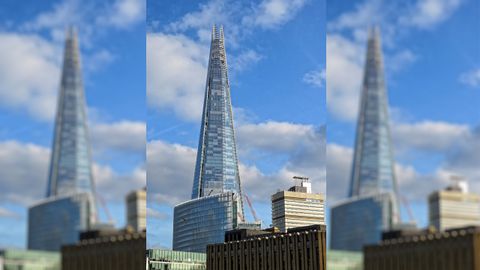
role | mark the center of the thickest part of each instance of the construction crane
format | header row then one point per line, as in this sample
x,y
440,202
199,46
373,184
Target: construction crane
x,y
105,208
254,214
409,209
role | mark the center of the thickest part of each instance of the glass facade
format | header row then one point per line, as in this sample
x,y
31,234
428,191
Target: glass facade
x,y
373,163
204,221
70,165
216,169
58,221
360,221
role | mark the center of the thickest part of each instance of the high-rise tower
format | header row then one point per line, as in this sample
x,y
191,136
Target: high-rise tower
x,y
372,205
70,164
216,169
373,163
69,207
216,205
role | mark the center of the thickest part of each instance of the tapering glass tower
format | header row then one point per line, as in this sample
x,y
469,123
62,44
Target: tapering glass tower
x,y
70,164
373,169
372,206
216,169
69,207
216,205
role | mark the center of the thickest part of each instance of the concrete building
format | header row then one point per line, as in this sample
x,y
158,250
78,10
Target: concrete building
x,y
450,250
106,250
136,202
297,207
299,249
454,207
15,259
158,259
344,260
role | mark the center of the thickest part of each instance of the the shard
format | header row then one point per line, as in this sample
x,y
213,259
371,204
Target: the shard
x,y
216,205
69,206
70,163
372,206
216,169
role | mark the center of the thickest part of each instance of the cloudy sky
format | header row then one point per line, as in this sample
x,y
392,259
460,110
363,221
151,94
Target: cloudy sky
x,y
276,56
112,42
432,61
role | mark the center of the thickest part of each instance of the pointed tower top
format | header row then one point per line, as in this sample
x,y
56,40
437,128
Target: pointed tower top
x,y
71,32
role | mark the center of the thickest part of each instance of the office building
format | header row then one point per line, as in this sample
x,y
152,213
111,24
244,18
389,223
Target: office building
x,y
58,220
373,183
136,202
454,207
120,250
69,206
158,259
298,249
204,221
16,259
450,250
297,207
216,170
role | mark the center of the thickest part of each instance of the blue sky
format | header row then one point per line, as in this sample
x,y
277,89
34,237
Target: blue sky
x,y
432,65
112,43
276,56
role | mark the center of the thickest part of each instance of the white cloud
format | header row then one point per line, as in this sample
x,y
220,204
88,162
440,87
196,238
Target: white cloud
x,y
176,72
5,213
170,172
315,77
123,135
24,172
25,180
429,13
400,60
124,13
244,60
274,136
471,78
172,165
345,58
273,13
429,135
29,74
458,146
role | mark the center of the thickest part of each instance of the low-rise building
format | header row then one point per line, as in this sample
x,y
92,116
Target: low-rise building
x,y
300,248
158,259
297,207
449,250
344,260
454,207
107,250
15,259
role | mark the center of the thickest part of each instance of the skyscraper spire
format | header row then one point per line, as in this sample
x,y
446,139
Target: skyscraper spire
x,y
373,165
70,164
372,205
70,205
216,205
216,168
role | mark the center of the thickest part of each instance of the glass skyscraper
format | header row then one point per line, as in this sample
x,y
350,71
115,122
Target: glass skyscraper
x,y
70,204
372,205
216,169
